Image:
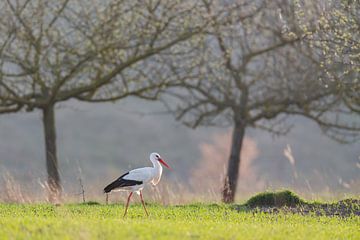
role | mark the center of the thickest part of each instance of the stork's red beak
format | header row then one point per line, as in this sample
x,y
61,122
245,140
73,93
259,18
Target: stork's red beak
x,y
164,163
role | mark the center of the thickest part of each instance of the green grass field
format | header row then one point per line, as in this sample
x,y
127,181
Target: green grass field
x,y
198,221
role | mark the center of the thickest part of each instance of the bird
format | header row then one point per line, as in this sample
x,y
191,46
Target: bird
x,y
135,180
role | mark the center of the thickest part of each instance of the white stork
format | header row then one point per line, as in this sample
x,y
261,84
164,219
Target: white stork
x,y
135,180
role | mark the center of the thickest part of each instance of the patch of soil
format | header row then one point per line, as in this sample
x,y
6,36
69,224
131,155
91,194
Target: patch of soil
x,y
343,208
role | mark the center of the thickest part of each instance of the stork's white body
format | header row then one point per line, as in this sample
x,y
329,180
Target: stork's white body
x,y
147,175
135,180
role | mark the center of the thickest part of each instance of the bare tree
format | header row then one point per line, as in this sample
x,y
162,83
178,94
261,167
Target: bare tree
x,y
248,72
52,51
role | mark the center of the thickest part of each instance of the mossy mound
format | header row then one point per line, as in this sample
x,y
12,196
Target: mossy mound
x,y
275,199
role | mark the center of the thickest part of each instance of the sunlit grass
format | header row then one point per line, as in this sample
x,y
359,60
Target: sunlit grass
x,y
196,221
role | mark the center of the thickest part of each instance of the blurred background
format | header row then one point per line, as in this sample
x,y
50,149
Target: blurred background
x,y
98,142
238,96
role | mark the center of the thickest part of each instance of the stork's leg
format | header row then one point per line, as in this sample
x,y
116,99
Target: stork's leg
x,y
127,203
142,201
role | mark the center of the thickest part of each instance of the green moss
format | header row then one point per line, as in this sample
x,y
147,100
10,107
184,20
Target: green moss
x,y
90,203
275,199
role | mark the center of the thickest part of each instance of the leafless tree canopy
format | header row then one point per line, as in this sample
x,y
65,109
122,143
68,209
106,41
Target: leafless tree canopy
x,y
253,71
91,50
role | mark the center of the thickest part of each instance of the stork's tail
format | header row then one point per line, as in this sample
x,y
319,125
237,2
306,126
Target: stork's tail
x,y
111,186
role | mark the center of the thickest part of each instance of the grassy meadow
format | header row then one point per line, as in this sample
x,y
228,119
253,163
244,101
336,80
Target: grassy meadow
x,y
195,221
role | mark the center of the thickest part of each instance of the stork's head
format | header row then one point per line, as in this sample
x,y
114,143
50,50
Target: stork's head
x,y
156,157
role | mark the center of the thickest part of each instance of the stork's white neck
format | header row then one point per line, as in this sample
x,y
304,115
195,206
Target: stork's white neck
x,y
156,164
157,171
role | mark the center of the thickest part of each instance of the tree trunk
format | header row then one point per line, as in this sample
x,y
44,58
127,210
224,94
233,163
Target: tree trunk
x,y
232,174
51,155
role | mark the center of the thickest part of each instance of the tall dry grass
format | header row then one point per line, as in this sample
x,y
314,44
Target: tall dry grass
x,y
208,177
204,185
165,193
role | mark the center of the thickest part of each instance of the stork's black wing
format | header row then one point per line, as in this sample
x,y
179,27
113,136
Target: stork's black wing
x,y
121,182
